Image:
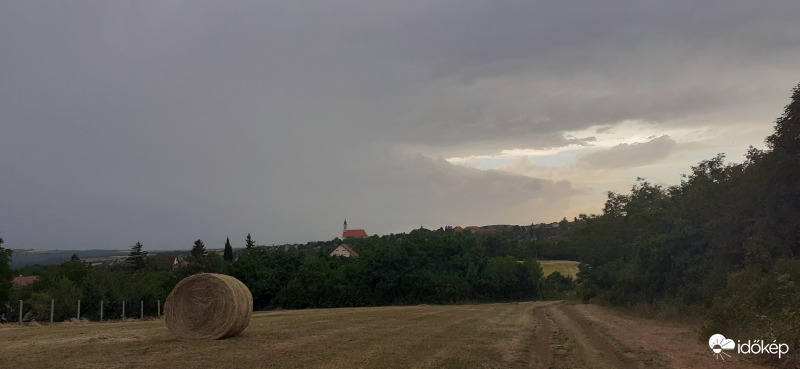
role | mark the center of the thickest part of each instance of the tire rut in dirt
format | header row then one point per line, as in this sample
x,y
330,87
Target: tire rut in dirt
x,y
586,345
541,355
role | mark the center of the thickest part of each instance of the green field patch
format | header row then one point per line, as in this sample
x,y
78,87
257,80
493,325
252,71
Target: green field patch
x,y
565,267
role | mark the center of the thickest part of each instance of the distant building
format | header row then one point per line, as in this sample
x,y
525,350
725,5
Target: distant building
x,y
24,281
345,251
352,233
171,259
457,229
476,230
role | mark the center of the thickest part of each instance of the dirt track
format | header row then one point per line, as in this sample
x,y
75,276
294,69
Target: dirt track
x,y
590,336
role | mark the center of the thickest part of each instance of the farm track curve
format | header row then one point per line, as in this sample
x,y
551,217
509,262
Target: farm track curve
x,y
569,335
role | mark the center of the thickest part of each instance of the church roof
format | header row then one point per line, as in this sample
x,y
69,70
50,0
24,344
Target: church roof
x,y
357,233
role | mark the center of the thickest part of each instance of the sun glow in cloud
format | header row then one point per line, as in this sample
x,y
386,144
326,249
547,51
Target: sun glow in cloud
x,y
620,145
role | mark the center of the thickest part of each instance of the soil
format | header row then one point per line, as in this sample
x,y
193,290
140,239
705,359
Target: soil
x,y
591,336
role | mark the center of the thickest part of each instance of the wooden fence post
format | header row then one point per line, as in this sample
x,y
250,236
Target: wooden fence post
x,y
142,309
123,309
101,310
20,312
52,309
159,308
79,310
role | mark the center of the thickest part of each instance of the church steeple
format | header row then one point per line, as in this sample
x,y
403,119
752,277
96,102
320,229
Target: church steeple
x,y
344,230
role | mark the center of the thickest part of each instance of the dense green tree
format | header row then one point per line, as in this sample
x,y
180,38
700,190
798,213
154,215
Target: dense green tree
x,y
199,249
228,253
786,138
6,274
265,272
726,239
137,259
74,257
249,243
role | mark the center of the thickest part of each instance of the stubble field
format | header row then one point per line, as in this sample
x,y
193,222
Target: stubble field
x,y
510,335
565,267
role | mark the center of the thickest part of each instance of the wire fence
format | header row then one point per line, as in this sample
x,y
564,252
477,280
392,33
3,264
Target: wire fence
x,y
105,310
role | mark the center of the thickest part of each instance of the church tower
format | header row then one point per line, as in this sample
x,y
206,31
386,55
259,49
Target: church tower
x,y
344,230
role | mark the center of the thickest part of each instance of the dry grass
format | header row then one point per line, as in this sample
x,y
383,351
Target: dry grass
x,y
547,334
564,267
465,336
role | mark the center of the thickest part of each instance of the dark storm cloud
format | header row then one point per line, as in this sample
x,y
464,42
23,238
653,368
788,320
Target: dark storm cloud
x,y
165,122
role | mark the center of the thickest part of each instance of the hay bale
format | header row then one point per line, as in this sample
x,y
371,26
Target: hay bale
x,y
208,306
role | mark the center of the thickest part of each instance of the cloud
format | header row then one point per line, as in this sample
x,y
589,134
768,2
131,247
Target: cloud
x,y
629,155
164,123
523,165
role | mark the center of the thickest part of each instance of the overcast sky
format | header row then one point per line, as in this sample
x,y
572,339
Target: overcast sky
x,y
168,121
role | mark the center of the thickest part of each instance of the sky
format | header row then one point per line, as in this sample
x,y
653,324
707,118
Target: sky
x,y
163,122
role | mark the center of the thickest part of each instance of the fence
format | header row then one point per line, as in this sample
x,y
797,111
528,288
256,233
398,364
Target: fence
x,y
116,313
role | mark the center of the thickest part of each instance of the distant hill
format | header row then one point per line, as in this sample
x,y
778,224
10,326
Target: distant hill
x,y
22,258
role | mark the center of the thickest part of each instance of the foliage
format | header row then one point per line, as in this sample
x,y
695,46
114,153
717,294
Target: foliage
x,y
726,239
199,249
228,254
558,286
71,281
6,274
249,243
422,267
207,263
137,259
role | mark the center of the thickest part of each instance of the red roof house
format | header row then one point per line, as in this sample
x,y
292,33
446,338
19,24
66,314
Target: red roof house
x,y
24,281
171,259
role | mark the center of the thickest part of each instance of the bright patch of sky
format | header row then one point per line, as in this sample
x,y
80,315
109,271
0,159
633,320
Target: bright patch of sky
x,y
602,137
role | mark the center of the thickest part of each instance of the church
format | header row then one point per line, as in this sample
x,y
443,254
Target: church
x,y
352,233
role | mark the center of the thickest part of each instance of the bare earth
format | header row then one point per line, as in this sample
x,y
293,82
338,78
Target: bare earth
x,y
512,335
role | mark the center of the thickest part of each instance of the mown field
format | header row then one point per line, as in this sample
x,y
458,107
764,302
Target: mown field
x,y
565,267
490,336
508,335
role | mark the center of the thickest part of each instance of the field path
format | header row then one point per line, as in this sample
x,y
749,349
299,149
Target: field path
x,y
590,336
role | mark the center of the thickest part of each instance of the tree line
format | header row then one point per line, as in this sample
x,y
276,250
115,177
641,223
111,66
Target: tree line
x,y
422,266
725,241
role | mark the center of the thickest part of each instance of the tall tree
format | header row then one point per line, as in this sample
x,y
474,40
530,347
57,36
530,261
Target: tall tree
x,y
6,274
199,249
249,243
137,259
228,254
786,137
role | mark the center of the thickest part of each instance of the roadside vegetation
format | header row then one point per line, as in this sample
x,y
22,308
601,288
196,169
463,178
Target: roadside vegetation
x,y
725,242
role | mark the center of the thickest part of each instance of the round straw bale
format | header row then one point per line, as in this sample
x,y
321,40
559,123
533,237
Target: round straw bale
x,y
208,306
